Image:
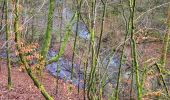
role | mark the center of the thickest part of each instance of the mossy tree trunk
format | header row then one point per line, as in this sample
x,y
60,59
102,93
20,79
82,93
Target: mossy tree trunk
x,y
104,4
91,86
47,38
165,43
79,2
23,60
122,55
7,45
65,40
133,45
163,58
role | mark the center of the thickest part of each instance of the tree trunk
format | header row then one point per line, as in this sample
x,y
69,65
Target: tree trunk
x,y
165,43
7,45
133,46
47,39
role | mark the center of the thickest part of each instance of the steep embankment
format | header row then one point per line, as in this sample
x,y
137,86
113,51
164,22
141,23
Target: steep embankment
x,y
24,89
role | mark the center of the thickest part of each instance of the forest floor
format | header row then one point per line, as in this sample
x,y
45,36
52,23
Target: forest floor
x,y
24,89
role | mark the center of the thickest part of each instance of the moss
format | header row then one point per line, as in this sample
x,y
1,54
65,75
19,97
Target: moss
x,y
47,40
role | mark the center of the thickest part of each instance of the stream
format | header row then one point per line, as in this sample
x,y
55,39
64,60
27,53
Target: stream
x,y
64,65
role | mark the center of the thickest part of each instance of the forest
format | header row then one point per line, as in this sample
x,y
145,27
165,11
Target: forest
x,y
84,49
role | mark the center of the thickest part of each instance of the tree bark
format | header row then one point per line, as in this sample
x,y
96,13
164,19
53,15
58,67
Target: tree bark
x,y
133,46
7,45
47,39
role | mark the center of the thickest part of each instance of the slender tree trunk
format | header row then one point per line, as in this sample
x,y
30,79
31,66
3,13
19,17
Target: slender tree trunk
x,y
75,40
133,44
102,26
59,35
165,43
33,29
163,80
60,7
122,55
47,39
92,77
7,45
65,40
104,3
163,58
